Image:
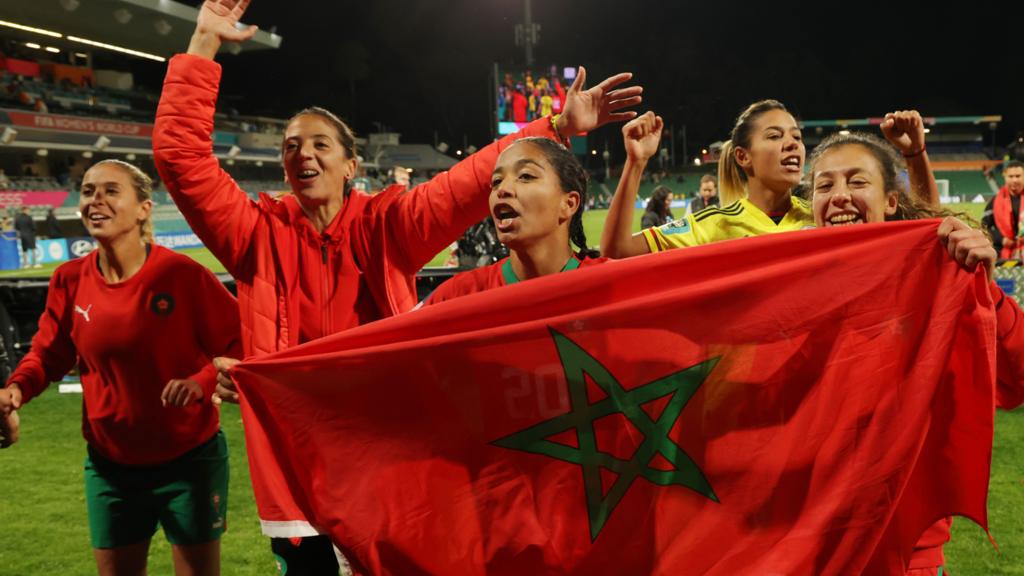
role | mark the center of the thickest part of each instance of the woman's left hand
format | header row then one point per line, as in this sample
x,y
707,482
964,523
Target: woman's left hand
x,y
968,246
588,109
181,393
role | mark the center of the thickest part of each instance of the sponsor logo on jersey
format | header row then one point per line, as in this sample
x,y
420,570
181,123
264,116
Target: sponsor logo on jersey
x,y
681,226
84,312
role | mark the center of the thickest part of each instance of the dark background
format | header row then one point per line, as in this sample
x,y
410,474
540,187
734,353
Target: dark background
x,y
420,67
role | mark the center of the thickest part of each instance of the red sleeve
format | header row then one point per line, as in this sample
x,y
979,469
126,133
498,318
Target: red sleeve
x,y
52,354
217,328
1009,351
218,210
431,216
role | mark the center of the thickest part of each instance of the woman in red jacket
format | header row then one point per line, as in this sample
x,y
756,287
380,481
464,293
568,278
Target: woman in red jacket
x,y
324,258
854,179
142,323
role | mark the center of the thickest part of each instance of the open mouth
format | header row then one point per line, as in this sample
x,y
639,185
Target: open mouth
x,y
308,175
95,218
791,163
844,219
504,217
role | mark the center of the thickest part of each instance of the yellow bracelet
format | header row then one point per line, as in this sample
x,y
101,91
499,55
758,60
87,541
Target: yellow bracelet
x,y
554,126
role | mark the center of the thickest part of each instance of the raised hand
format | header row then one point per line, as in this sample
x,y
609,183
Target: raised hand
x,y
642,135
904,129
217,23
588,109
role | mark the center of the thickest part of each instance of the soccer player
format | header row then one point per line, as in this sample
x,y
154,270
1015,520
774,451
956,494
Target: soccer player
x,y
538,194
143,324
761,164
324,258
854,179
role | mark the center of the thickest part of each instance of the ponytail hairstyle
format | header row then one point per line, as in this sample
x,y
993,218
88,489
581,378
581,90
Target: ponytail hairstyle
x,y
346,137
572,178
732,180
143,186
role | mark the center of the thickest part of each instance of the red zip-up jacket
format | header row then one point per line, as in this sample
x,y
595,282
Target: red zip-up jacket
x,y
267,245
129,340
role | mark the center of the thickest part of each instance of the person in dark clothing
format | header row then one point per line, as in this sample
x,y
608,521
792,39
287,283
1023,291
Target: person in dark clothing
x,y
26,229
53,225
1002,213
708,194
658,210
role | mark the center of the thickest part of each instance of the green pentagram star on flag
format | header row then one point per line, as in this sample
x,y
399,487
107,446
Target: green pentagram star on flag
x,y
578,364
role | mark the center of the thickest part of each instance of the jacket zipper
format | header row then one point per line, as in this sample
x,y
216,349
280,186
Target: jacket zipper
x,y
326,283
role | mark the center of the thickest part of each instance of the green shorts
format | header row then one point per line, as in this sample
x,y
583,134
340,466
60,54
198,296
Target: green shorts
x,y
188,496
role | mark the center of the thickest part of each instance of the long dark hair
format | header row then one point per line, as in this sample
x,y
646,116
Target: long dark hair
x,y
571,177
657,203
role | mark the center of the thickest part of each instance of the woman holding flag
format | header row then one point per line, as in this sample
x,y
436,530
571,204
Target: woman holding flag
x,y
326,257
854,179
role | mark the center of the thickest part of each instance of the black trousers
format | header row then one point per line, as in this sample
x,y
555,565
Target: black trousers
x,y
314,556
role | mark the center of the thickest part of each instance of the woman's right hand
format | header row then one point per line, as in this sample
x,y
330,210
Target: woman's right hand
x,y
641,136
226,391
10,423
968,246
217,23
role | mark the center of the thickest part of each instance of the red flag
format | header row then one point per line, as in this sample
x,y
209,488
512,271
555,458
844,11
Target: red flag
x,y
791,404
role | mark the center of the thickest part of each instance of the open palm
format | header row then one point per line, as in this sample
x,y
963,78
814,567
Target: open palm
x,y
221,17
588,109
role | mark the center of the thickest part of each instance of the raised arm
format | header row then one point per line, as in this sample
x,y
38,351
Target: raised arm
x,y
641,137
431,216
218,210
904,129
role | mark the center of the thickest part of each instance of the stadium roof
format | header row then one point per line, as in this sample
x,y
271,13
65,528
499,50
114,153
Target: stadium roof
x,y
154,27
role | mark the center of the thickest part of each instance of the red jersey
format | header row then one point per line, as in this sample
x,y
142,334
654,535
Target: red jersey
x,y
494,276
129,340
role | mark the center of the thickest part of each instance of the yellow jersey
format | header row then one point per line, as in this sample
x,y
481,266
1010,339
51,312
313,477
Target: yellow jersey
x,y
737,220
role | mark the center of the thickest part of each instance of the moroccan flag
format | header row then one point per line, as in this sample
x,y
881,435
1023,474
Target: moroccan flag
x,y
801,403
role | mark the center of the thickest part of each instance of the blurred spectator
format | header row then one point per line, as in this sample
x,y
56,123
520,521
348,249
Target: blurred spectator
x,y
707,196
658,210
1002,213
401,176
26,228
53,225
5,182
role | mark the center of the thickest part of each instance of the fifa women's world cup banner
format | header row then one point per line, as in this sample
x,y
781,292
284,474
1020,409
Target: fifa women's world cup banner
x,y
800,403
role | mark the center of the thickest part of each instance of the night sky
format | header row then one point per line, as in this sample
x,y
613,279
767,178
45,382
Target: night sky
x,y
419,66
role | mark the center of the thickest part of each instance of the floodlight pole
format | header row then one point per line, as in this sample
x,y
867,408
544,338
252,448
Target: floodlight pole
x,y
528,33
